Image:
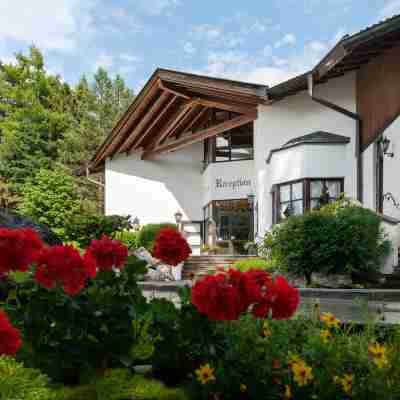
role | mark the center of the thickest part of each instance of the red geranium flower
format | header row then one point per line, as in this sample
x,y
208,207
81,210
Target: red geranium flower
x,y
280,299
19,248
10,337
215,297
108,253
171,247
65,266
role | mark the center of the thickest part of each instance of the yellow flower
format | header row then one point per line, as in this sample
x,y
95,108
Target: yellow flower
x,y
330,320
243,387
205,374
288,393
346,382
293,359
378,353
302,373
325,335
265,330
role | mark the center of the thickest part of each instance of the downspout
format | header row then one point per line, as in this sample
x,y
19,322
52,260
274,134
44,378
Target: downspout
x,y
358,121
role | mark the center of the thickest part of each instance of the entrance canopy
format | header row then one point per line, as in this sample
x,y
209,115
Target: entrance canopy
x,y
176,109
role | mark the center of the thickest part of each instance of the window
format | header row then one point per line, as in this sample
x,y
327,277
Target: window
x,y
292,198
233,145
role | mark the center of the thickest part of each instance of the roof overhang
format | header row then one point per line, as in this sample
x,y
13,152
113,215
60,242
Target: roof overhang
x,y
176,109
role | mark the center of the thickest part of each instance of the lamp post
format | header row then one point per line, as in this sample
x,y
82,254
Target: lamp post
x,y
178,219
250,199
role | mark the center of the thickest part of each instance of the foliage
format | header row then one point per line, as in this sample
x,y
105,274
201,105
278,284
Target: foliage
x,y
185,337
171,247
321,359
128,238
332,240
82,229
45,121
120,385
148,233
253,263
67,336
18,382
50,198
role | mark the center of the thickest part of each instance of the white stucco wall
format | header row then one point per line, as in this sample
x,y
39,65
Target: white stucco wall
x,y
154,190
304,161
228,181
391,169
297,116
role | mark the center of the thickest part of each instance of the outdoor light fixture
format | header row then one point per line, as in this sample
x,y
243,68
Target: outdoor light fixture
x,y
250,199
178,217
385,144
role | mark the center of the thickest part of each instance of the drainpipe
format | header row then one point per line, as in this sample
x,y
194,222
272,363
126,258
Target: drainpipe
x,y
356,118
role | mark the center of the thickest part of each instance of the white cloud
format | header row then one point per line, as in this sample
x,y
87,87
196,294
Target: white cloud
x,y
49,24
338,35
316,46
157,7
131,58
206,32
391,7
104,61
288,40
188,48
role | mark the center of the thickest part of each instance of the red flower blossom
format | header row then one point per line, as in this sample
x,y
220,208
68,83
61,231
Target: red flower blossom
x,y
10,337
215,297
227,295
108,253
64,265
171,247
280,299
19,248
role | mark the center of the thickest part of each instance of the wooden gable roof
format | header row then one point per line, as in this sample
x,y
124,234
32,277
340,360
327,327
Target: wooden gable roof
x,y
175,109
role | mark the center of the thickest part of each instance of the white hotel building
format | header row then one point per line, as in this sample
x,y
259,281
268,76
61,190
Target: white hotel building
x,y
206,146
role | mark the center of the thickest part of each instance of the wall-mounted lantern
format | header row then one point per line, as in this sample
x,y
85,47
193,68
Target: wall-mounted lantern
x,y
385,144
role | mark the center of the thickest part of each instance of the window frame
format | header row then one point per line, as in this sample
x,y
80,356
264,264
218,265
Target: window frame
x,y
306,183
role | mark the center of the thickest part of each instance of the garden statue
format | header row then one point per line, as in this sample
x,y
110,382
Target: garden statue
x,y
157,270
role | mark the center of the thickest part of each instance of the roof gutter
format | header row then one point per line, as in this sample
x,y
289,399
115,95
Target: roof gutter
x,y
349,114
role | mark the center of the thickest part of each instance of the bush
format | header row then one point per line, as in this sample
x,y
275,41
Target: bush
x,y
253,263
72,336
122,385
128,238
20,383
148,233
334,240
84,228
50,198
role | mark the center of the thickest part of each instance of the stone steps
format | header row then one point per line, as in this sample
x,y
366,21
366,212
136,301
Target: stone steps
x,y
198,266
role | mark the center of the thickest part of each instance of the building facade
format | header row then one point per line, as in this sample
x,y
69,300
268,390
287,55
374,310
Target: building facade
x,y
235,158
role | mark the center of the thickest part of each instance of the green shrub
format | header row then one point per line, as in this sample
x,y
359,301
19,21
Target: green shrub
x,y
253,263
70,337
20,383
83,228
87,392
148,233
128,238
121,385
51,198
335,240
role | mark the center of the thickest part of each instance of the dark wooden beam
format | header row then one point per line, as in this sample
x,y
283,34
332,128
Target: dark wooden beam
x,y
134,136
192,138
193,121
127,121
154,123
172,91
174,121
228,106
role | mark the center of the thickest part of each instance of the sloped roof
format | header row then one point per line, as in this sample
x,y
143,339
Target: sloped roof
x,y
349,54
318,137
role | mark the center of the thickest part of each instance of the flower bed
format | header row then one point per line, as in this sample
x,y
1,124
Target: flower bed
x,y
81,318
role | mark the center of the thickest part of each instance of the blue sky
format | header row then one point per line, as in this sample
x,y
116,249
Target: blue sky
x,y
264,41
